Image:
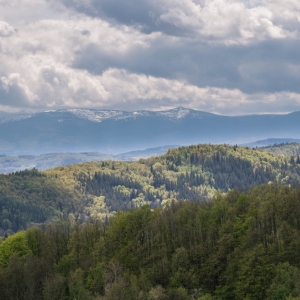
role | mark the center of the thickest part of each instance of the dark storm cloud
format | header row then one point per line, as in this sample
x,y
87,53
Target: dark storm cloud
x,y
269,66
144,14
12,93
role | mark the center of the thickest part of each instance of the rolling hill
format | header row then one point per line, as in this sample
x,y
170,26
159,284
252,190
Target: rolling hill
x,y
97,189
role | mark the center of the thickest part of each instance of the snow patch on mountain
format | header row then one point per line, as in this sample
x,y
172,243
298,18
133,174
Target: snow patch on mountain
x,y
13,118
101,115
97,115
175,114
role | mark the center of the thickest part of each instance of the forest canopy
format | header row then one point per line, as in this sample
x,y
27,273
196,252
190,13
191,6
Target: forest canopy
x,y
242,245
99,189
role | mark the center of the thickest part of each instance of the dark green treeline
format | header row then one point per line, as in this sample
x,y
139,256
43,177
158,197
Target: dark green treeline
x,y
238,246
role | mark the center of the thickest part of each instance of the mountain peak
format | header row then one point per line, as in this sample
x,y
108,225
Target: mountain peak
x,y
175,113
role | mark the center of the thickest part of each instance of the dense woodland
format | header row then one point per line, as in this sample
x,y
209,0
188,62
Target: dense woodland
x,y
31,197
242,245
98,189
284,149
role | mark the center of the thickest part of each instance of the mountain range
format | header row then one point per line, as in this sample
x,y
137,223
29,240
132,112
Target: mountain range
x,y
112,131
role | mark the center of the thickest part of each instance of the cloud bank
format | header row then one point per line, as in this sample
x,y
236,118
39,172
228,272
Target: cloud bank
x,y
223,56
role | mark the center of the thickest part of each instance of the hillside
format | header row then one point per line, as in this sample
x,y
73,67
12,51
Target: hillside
x,y
97,189
10,164
237,246
284,149
270,142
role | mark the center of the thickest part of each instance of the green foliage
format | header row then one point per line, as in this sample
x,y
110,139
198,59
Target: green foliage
x,y
98,189
178,294
29,197
242,245
232,245
54,288
35,239
192,173
76,285
286,282
15,244
284,149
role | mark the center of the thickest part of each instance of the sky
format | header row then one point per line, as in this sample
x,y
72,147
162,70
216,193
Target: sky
x,y
227,57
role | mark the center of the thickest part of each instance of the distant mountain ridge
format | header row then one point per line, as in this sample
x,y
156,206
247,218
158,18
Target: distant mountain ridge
x,y
271,142
10,164
97,115
112,131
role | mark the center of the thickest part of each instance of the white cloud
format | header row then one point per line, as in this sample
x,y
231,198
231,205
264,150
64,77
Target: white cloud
x,y
62,87
226,21
135,91
40,41
6,29
229,21
37,62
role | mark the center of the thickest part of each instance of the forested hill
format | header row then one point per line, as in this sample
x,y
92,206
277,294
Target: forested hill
x,y
237,246
97,189
284,149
